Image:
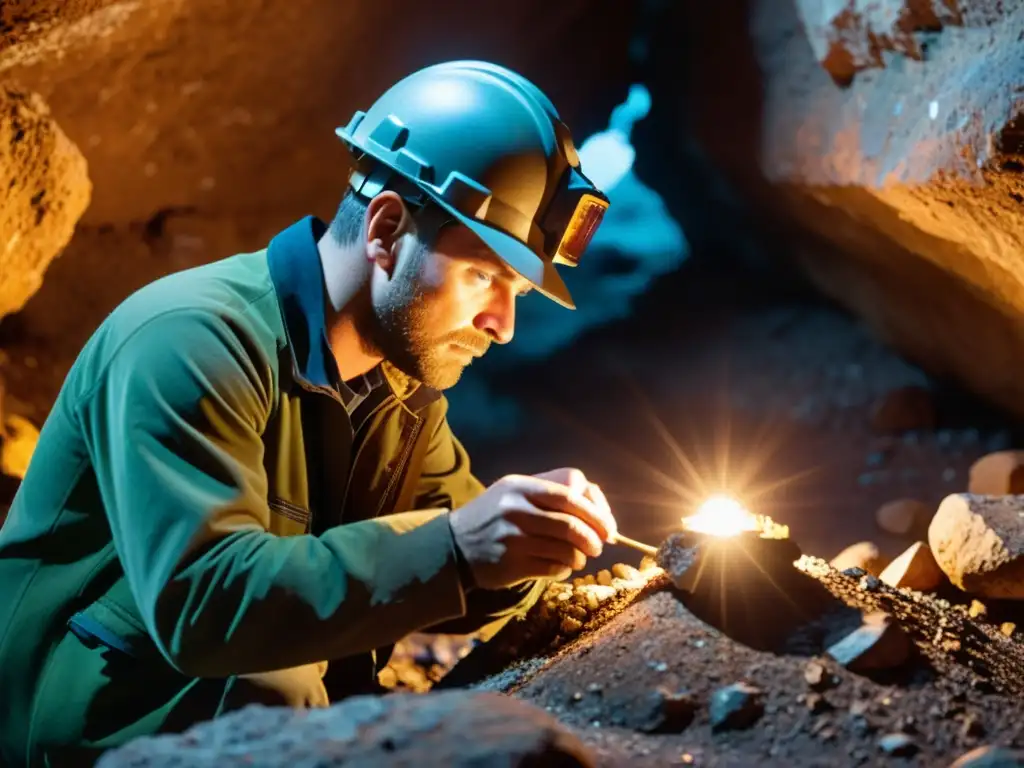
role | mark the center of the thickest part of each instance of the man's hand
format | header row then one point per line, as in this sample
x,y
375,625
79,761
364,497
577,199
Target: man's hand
x,y
297,687
530,527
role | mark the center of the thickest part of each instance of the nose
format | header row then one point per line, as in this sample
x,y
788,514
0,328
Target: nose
x,y
498,318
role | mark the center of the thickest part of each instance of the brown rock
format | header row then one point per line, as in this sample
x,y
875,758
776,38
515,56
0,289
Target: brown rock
x,y
878,644
903,516
997,474
990,757
978,542
914,569
46,189
604,578
453,728
906,409
864,555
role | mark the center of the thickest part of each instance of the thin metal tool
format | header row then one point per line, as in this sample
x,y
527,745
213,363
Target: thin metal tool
x,y
647,549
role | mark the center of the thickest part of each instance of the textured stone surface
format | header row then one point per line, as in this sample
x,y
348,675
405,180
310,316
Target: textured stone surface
x,y
46,189
998,474
978,542
436,729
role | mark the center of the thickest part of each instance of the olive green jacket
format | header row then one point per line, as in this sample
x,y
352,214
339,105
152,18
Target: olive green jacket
x,y
194,511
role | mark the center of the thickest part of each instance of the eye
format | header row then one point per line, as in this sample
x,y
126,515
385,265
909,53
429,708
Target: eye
x,y
479,274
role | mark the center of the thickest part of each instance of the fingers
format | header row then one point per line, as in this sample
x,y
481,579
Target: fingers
x,y
596,495
557,497
547,569
558,526
556,550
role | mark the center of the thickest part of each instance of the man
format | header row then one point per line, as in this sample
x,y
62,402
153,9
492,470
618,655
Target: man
x,y
247,489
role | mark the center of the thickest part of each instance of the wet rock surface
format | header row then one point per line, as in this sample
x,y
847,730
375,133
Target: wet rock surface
x,y
438,729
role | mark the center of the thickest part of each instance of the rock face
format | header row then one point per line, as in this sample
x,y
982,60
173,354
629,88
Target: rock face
x,y
899,193
436,729
46,189
978,542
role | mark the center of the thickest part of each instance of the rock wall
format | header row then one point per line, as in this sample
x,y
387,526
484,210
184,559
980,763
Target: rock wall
x,y
880,145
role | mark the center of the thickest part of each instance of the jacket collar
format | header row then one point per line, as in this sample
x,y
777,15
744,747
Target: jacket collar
x,y
298,278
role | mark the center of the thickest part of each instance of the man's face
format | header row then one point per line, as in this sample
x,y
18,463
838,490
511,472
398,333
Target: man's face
x,y
444,305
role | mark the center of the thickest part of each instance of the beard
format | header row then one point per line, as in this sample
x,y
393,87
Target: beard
x,y
400,330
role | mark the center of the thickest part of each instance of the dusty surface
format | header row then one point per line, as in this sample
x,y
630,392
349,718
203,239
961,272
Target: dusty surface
x,y
605,686
447,729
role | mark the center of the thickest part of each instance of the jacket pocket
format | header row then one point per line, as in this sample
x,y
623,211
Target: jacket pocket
x,y
286,518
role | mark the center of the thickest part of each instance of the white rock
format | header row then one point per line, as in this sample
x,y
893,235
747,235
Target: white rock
x,y
978,541
914,569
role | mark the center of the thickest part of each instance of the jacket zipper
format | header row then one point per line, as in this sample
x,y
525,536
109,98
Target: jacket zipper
x,y
410,443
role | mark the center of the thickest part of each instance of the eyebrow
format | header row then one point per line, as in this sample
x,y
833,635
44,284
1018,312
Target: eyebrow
x,y
491,259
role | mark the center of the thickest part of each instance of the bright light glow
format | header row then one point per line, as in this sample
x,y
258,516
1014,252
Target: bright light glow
x,y
722,516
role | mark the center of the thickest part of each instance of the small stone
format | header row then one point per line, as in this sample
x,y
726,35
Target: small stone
x,y
864,555
990,757
977,609
590,579
972,728
817,676
1007,628
604,578
869,583
577,696
578,582
625,572
594,688
669,712
903,516
878,644
898,745
914,569
997,474
592,602
570,626
735,707
648,563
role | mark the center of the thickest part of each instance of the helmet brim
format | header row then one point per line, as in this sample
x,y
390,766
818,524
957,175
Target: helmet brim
x,y
523,260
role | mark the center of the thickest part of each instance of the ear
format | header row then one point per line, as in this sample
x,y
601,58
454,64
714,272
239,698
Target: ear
x,y
387,219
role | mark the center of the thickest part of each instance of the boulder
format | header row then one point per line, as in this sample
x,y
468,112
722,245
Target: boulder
x,y
46,189
453,728
997,474
914,569
978,541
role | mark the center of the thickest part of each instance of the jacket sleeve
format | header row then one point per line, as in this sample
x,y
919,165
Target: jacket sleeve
x,y
173,425
447,481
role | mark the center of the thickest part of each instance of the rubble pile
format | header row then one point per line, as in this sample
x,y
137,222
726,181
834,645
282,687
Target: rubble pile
x,y
953,636
564,611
